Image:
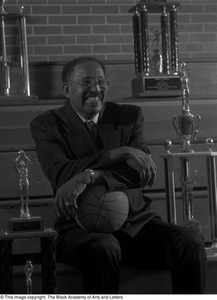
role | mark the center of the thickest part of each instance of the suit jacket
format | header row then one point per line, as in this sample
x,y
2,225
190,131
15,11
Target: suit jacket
x,y
64,148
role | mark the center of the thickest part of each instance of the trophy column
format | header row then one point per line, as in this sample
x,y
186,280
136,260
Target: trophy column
x,y
137,43
212,193
6,269
5,72
157,71
145,40
24,54
48,250
174,41
165,42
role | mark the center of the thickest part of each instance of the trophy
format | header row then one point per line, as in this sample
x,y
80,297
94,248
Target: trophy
x,y
187,186
5,80
28,269
156,70
25,222
186,125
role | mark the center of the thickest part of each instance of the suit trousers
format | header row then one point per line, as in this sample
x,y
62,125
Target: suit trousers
x,y
158,245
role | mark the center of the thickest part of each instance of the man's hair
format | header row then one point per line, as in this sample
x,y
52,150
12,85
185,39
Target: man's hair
x,y
70,66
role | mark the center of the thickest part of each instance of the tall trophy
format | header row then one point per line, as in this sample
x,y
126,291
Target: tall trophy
x,y
5,80
156,52
186,125
25,222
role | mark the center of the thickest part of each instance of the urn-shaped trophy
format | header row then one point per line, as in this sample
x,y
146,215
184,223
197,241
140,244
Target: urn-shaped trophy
x,y
186,125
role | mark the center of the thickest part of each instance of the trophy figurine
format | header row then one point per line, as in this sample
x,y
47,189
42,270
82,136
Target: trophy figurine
x,y
186,125
21,164
156,60
187,185
25,222
28,269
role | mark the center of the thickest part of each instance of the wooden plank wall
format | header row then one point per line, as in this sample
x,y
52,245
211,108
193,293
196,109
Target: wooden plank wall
x,y
45,79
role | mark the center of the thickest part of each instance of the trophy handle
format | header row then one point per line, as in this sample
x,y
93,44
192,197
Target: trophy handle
x,y
175,125
209,144
167,146
196,125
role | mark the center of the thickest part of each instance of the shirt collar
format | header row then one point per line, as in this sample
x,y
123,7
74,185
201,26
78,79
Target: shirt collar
x,y
95,119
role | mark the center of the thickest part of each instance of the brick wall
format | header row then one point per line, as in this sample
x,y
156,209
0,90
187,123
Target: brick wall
x,y
58,30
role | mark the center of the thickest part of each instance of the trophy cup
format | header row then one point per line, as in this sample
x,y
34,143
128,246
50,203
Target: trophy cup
x,y
187,186
186,125
25,222
156,70
28,269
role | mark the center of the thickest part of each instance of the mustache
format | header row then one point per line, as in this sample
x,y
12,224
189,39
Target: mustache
x,y
93,94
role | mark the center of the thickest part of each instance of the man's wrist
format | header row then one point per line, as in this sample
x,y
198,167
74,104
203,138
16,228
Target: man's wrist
x,y
118,154
92,175
96,176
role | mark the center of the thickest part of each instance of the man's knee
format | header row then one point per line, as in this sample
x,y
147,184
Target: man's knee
x,y
190,244
102,246
191,236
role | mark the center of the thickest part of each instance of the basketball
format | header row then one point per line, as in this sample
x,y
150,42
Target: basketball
x,y
101,211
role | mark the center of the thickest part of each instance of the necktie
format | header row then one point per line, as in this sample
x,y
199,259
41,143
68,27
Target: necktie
x,y
92,127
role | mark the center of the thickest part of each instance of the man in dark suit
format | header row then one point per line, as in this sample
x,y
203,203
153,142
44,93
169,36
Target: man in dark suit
x,y
112,151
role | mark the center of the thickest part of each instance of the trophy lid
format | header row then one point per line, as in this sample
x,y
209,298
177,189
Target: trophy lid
x,y
153,6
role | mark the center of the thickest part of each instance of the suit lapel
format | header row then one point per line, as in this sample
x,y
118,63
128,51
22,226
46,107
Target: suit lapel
x,y
109,132
77,134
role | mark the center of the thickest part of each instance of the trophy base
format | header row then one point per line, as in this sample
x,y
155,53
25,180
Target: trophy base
x,y
157,86
18,97
17,225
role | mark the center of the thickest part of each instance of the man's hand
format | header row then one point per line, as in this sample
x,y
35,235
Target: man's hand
x,y
143,163
65,200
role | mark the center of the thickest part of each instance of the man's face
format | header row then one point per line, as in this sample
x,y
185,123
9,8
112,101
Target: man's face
x,y
87,89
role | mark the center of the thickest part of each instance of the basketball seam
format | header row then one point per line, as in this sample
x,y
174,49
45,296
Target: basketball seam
x,y
99,211
94,215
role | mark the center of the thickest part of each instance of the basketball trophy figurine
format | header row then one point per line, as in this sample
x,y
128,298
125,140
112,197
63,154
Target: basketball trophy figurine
x,y
187,186
186,125
25,222
21,164
156,67
28,269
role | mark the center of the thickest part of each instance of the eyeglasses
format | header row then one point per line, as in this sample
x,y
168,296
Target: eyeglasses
x,y
90,83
